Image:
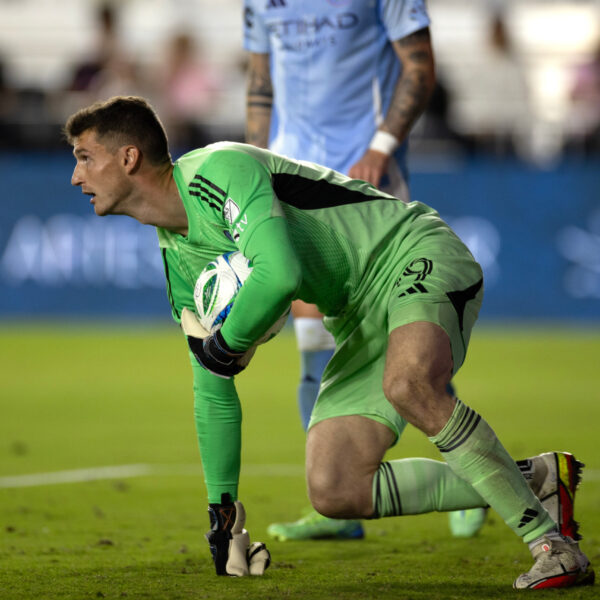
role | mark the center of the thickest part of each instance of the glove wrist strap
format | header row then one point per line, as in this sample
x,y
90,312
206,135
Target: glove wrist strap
x,y
223,348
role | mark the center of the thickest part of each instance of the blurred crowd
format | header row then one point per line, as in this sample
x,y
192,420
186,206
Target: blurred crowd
x,y
183,87
487,108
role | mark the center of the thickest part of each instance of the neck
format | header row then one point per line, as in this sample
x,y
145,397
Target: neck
x,y
156,201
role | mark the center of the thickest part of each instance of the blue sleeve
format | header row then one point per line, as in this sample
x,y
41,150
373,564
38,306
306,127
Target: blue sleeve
x,y
403,17
256,36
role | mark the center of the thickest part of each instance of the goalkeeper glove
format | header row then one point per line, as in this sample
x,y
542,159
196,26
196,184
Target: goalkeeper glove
x,y
215,356
229,542
211,350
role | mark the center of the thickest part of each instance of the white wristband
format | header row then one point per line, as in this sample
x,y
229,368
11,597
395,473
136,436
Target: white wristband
x,y
384,142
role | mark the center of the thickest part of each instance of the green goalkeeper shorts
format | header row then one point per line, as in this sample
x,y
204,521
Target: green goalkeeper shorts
x,y
445,288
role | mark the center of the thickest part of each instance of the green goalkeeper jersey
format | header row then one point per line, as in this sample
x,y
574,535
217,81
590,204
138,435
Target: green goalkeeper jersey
x,y
310,232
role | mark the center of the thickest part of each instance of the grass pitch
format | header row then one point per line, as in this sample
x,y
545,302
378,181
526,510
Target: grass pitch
x,y
77,399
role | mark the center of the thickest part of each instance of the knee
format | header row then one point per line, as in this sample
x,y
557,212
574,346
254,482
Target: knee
x,y
407,387
335,498
418,365
420,397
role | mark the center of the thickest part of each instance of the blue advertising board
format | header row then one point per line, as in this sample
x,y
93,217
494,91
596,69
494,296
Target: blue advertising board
x,y
536,234
58,259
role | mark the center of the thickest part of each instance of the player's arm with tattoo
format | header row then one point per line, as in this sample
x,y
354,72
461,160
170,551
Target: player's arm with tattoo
x,y
259,100
411,95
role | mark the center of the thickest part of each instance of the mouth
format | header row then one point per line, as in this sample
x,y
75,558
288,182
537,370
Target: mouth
x,y
91,194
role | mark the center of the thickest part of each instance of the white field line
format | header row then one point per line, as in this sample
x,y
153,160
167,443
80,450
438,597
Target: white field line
x,y
74,476
141,470
138,470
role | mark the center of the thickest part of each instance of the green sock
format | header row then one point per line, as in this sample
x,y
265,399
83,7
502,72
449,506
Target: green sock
x,y
412,486
475,454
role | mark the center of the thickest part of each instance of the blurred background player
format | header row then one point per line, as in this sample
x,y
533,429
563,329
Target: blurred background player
x,y
108,69
585,98
339,84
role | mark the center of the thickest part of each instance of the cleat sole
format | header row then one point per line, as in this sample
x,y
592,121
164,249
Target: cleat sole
x,y
564,580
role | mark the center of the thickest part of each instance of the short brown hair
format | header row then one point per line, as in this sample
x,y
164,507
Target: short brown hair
x,y
123,120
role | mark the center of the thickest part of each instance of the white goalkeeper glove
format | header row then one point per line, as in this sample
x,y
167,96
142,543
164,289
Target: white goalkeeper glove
x,y
229,542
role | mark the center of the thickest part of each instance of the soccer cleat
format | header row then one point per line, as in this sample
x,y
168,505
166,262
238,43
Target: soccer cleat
x,y
553,478
558,564
466,523
316,527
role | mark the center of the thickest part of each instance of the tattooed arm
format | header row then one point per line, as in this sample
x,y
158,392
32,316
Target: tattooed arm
x,y
412,92
415,85
259,100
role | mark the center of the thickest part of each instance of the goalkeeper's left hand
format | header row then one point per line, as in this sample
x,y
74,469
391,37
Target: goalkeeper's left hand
x,y
229,542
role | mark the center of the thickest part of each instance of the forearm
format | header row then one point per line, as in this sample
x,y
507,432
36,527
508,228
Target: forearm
x,y
414,87
218,423
259,101
218,418
268,292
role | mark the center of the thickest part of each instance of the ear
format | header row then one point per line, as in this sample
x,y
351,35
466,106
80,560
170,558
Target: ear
x,y
130,158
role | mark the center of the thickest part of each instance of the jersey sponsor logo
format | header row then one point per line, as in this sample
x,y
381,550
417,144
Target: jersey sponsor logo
x,y
248,17
241,224
316,25
418,11
275,4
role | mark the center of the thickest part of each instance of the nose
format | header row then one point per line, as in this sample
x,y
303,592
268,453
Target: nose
x,y
76,178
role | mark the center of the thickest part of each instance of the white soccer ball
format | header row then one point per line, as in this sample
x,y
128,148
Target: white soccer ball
x,y
217,287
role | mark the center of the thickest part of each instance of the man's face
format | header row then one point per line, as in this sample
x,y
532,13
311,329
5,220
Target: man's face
x,y
100,173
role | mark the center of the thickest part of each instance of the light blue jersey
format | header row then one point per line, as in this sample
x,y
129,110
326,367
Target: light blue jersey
x,y
333,72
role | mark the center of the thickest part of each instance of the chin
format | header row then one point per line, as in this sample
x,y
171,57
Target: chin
x,y
100,211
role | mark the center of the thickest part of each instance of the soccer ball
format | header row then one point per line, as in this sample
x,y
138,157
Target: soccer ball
x,y
217,287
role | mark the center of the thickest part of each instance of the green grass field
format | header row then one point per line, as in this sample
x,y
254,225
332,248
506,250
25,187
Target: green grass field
x,y
104,396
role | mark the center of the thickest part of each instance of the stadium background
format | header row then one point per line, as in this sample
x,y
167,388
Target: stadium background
x,y
510,172
104,408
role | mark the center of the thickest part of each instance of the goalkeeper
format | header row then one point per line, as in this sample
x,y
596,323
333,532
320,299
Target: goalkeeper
x,y
401,294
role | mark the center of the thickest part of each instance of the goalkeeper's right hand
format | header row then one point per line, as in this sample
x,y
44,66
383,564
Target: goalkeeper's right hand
x,y
209,351
229,542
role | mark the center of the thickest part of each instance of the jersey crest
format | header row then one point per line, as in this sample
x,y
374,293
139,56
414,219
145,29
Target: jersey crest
x,y
231,211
